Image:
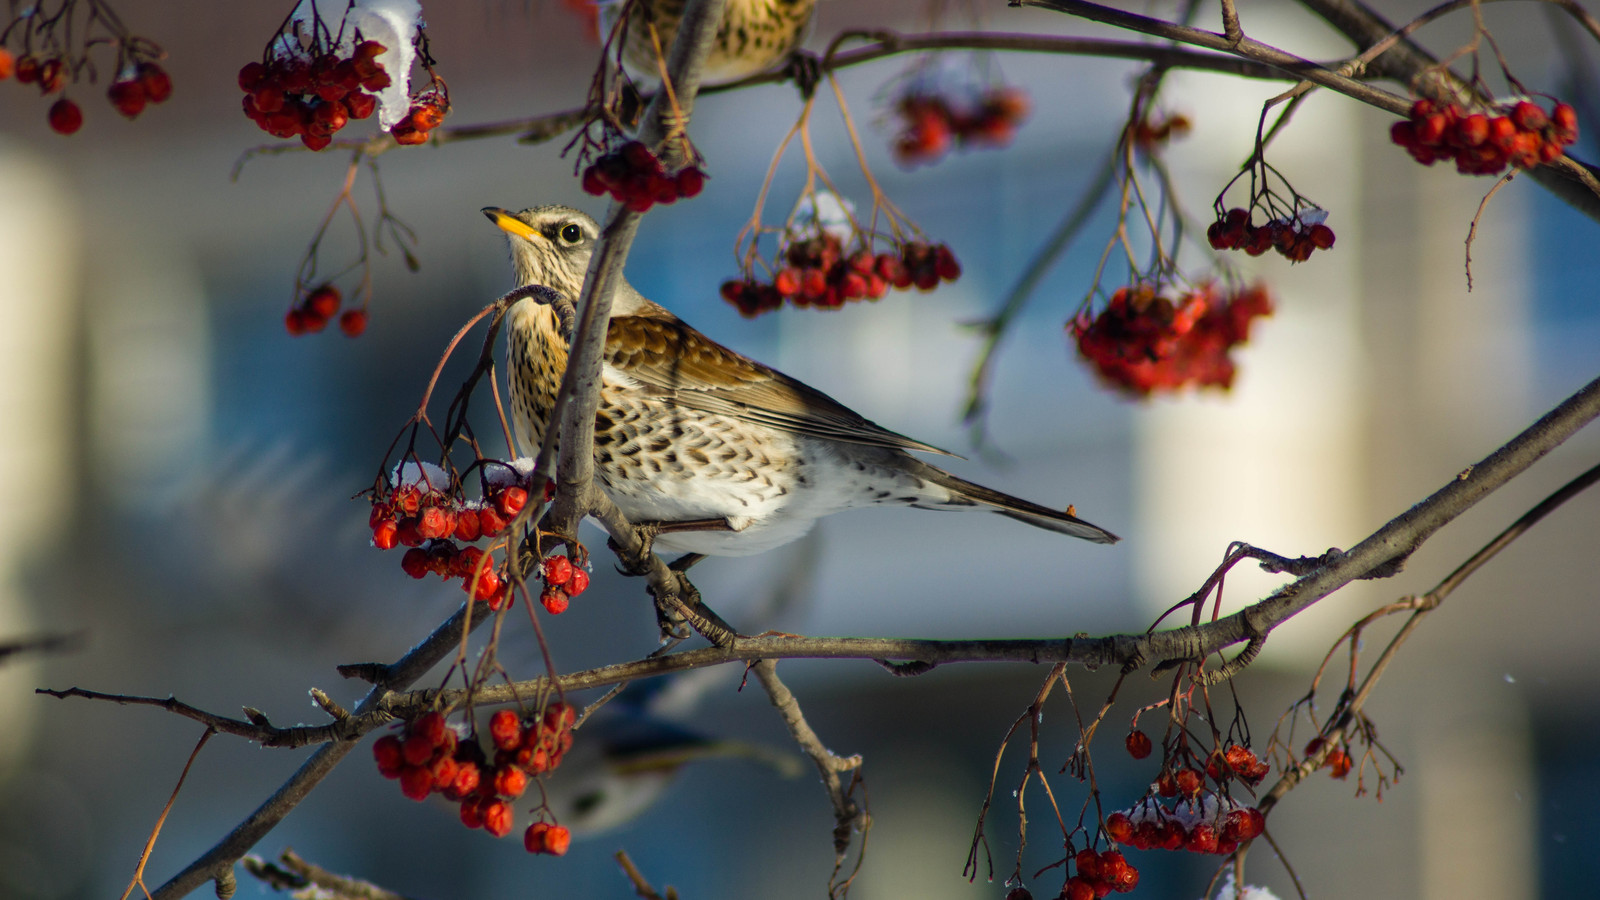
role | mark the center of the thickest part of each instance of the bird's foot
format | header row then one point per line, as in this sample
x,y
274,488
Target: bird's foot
x,y
805,68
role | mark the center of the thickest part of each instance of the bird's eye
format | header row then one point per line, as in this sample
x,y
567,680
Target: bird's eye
x,y
571,233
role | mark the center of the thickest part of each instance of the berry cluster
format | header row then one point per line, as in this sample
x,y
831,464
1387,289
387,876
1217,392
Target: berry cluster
x,y
930,124
417,510
67,33
1337,762
1203,822
1295,237
1143,341
428,109
634,176
819,274
1481,144
312,98
312,314
1098,874
429,757
562,582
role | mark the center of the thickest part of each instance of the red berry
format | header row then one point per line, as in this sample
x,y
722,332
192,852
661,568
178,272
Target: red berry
x,y
384,534
505,730
490,522
431,523
467,778
468,528
1189,782
1166,784
557,840
1139,745
1321,236
414,562
386,751
592,182
578,583
416,782
1088,863
555,600
510,782
1078,888
557,570
533,839
324,300
52,76
65,117
157,83
944,262
431,727
483,586
359,105
127,96
353,322
295,322
787,281
511,501
471,813
8,64
1201,839
1528,116
497,818
1119,827
1339,763
689,182
559,716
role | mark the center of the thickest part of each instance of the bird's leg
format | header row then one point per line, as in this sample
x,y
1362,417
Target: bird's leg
x,y
647,532
682,563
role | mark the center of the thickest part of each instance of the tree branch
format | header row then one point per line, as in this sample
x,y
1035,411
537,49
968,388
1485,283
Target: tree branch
x,y
217,863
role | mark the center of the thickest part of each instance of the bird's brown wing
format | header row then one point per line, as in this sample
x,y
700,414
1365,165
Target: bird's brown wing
x,y
663,354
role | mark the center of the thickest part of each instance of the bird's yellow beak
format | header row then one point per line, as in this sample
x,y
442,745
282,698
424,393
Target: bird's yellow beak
x,y
509,223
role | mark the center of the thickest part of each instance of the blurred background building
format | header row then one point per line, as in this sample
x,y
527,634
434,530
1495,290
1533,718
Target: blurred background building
x,y
178,474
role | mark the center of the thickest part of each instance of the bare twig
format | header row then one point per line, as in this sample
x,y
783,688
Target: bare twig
x,y
292,872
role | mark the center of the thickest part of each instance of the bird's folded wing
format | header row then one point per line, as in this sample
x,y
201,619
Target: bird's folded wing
x,y
663,353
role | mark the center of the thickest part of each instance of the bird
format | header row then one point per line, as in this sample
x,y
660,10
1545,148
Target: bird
x,y
754,35
689,431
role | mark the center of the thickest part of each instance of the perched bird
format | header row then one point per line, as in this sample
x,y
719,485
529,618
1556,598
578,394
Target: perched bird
x,y
688,430
754,35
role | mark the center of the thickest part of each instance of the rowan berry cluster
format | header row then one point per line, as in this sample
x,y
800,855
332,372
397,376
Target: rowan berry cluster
x,y
1294,237
634,176
1203,822
418,510
1098,874
1522,135
67,37
1337,762
428,109
819,274
430,757
313,313
313,97
1144,341
930,123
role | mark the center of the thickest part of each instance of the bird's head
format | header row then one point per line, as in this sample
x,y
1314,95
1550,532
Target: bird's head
x,y
550,245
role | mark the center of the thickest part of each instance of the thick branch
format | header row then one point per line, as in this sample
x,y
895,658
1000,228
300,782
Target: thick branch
x,y
580,386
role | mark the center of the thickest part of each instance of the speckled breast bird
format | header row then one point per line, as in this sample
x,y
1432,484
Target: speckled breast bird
x,y
754,36
688,430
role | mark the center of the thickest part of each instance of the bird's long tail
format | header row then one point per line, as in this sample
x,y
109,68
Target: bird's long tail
x,y
1016,507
